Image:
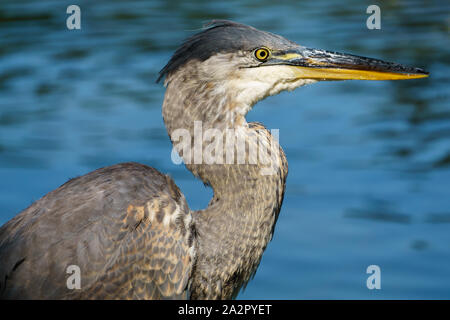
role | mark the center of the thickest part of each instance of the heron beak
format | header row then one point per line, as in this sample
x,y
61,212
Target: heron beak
x,y
327,65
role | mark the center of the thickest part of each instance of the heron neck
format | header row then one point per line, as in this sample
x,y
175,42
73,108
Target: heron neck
x,y
208,129
235,228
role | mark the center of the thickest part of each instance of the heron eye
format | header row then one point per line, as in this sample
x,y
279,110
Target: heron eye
x,y
262,54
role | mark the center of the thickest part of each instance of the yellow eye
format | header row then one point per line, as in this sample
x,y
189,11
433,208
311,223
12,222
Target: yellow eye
x,y
262,54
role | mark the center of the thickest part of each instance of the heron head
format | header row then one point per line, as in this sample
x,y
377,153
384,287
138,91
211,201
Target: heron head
x,y
250,64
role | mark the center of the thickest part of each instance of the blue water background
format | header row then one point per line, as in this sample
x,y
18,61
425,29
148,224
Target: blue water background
x,y
369,162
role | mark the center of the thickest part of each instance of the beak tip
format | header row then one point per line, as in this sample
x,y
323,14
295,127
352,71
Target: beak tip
x,y
422,71
419,73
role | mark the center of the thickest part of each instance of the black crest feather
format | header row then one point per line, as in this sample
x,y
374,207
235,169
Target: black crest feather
x,y
218,36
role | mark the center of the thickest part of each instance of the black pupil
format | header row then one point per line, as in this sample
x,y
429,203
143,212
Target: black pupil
x,y
262,53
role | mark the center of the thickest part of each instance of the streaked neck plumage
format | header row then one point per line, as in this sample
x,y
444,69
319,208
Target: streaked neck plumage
x,y
233,231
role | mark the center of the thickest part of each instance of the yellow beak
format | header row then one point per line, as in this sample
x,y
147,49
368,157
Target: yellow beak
x,y
326,65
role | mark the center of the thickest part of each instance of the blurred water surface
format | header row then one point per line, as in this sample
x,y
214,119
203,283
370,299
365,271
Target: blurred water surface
x,y
369,162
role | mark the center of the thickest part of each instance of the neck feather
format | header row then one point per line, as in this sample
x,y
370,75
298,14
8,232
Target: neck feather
x,y
235,228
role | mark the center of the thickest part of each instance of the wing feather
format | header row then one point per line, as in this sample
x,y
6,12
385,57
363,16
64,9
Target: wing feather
x,y
127,227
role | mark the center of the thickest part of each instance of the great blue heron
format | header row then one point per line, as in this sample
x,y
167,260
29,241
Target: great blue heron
x,y
128,229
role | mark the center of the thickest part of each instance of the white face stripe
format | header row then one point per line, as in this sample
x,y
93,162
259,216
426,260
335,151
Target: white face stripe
x,y
255,84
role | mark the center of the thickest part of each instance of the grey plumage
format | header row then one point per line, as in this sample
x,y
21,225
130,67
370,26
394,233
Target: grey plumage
x,y
91,222
128,227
